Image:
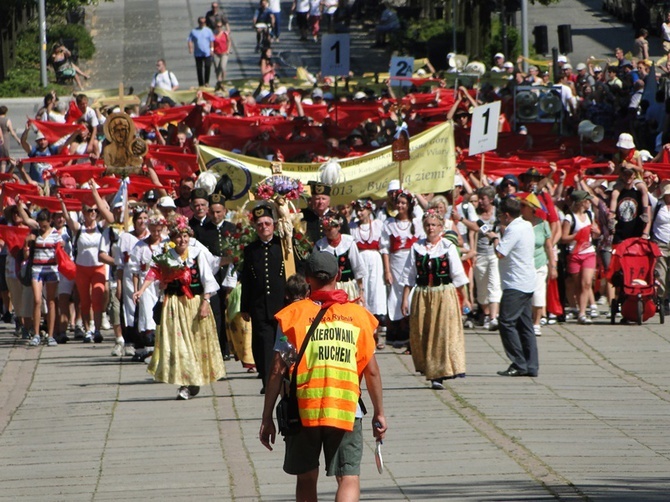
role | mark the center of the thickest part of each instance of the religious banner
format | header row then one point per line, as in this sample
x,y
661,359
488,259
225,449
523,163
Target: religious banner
x,y
431,168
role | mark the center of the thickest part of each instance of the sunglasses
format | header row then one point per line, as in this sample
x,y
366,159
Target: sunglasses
x,y
264,224
92,210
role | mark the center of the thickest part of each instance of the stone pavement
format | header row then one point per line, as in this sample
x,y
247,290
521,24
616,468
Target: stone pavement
x,y
78,424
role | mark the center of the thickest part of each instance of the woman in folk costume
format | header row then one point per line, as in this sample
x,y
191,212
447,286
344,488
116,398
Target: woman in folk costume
x,y
398,235
345,250
367,233
141,259
187,351
434,269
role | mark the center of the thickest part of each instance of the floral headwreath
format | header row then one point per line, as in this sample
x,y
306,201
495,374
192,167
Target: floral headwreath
x,y
432,213
331,221
404,193
139,209
359,204
157,219
179,225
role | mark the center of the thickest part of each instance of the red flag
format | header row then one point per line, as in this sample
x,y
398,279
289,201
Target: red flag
x,y
84,195
53,131
14,237
52,159
73,112
12,189
194,120
141,184
80,172
53,204
185,163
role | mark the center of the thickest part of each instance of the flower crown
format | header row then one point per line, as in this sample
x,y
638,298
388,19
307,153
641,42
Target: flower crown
x,y
331,221
404,193
363,204
179,225
432,213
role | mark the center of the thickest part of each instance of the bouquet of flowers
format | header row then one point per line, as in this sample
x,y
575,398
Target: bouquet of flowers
x,y
168,267
302,245
235,242
283,186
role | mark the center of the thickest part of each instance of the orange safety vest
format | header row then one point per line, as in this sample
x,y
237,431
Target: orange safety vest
x,y
329,373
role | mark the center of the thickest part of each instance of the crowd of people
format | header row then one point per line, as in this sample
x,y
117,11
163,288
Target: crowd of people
x,y
152,256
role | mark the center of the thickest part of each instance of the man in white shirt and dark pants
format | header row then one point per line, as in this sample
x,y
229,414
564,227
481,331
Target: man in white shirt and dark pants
x,y
515,250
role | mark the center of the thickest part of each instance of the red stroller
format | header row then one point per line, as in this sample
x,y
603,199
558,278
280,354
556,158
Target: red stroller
x,y
632,273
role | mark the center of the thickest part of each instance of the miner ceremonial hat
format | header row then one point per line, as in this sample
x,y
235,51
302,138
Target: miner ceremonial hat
x,y
322,262
198,193
262,210
217,198
319,188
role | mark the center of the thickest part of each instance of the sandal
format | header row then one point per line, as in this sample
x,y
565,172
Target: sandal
x,y
408,352
381,346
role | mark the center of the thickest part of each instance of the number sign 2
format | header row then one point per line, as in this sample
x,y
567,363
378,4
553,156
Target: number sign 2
x,y
401,67
335,55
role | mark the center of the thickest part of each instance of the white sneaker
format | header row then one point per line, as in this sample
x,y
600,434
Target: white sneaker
x,y
551,319
487,323
88,337
594,311
117,351
91,325
543,321
537,329
128,350
493,326
35,341
105,324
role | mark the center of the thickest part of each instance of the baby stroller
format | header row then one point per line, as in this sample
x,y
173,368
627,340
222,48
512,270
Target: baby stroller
x,y
632,273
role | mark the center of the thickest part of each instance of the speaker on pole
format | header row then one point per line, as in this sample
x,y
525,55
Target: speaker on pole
x,y
565,38
541,40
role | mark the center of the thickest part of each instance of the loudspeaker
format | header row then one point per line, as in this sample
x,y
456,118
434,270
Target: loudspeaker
x,y
589,130
541,40
565,38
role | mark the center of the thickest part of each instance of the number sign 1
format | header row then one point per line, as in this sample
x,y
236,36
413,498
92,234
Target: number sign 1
x,y
335,55
484,131
401,67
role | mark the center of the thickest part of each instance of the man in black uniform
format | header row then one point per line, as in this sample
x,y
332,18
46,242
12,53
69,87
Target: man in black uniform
x,y
319,208
212,234
263,283
199,206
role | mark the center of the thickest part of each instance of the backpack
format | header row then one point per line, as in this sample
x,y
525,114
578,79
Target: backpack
x,y
75,243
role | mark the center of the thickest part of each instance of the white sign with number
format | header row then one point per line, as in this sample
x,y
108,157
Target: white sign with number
x,y
335,55
484,130
401,67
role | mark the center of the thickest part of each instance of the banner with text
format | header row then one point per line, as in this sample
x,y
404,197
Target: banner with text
x,y
431,168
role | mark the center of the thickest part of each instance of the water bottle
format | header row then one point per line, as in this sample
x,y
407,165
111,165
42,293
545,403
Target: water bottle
x,y
466,310
286,351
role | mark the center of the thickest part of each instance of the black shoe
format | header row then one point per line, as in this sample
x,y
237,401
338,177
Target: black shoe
x,y
263,390
193,390
7,317
512,372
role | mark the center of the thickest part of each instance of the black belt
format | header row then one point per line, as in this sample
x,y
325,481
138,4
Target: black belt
x,y
436,281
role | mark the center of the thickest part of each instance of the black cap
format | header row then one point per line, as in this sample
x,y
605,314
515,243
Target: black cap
x,y
198,193
262,210
150,195
321,262
319,188
217,198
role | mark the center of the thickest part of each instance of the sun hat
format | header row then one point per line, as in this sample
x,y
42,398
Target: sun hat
x,y
167,201
393,186
580,195
625,141
580,66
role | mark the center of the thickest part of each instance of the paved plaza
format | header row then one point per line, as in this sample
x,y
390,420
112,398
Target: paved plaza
x,y
78,424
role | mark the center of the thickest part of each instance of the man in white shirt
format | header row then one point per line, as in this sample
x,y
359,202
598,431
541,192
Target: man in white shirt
x,y
163,78
515,251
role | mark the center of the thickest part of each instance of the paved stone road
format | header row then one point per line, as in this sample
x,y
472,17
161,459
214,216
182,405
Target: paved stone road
x,y
77,424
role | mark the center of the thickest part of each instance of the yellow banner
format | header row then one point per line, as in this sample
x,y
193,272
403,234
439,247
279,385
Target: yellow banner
x,y
431,168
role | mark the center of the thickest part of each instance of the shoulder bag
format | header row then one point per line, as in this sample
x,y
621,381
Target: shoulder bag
x,y
288,416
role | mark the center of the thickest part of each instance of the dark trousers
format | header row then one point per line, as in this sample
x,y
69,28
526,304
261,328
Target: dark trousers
x,y
515,322
263,333
275,30
218,304
203,67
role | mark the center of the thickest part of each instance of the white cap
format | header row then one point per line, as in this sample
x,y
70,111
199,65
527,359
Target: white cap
x,y
39,136
499,55
645,155
580,66
118,203
666,190
567,66
421,72
166,201
597,69
317,93
280,91
458,180
562,59
508,64
360,95
393,186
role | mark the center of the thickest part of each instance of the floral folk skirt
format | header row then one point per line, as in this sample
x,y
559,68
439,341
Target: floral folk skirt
x,y
187,348
436,332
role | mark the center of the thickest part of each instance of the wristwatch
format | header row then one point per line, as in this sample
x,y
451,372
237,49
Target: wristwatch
x,y
207,300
